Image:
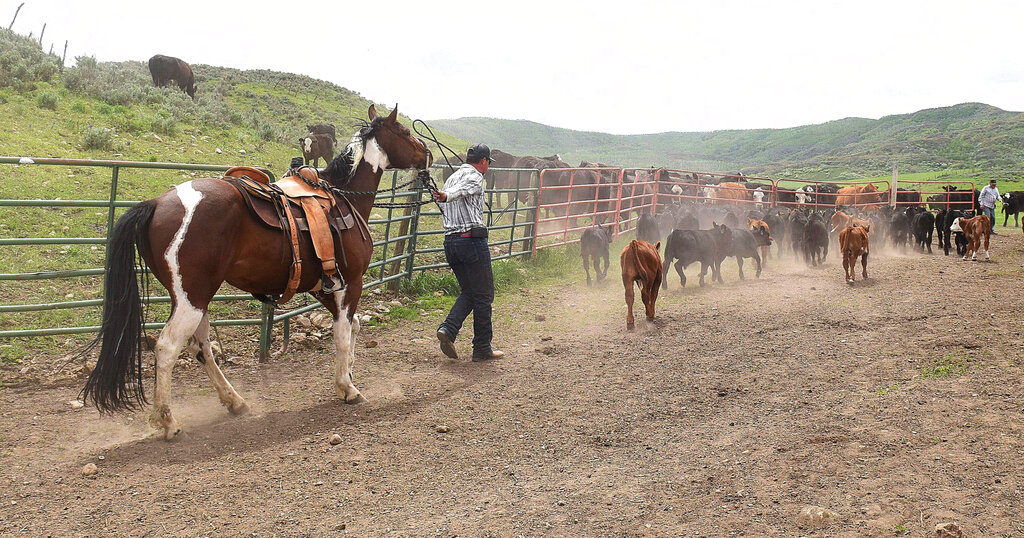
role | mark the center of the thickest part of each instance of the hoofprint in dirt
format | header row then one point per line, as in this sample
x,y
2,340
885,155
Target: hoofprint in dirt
x,y
894,404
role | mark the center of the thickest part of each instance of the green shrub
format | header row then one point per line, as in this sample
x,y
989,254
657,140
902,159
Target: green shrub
x,y
165,126
428,282
80,106
98,138
48,100
23,62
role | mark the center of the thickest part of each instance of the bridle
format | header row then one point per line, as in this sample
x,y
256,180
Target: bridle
x,y
423,177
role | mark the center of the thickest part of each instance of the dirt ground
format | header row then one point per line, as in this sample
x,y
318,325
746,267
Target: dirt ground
x,y
744,404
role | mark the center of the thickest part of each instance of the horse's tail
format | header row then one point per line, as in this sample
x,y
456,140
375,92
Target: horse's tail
x,y
116,382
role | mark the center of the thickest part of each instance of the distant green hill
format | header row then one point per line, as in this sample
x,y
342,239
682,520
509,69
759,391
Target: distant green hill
x,y
969,135
112,110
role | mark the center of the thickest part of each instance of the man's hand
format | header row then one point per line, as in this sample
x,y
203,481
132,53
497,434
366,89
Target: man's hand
x,y
440,196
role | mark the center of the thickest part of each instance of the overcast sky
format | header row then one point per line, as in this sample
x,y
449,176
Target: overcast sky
x,y
622,67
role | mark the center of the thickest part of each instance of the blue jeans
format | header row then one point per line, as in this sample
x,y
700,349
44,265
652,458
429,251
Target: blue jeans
x,y
470,260
991,212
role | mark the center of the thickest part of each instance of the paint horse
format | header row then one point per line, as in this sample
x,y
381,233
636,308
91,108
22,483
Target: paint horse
x,y
200,234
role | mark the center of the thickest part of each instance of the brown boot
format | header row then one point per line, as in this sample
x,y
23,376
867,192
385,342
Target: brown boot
x,y
480,356
447,347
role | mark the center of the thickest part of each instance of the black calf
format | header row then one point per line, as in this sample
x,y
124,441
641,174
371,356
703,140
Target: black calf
x,y
594,248
647,229
689,246
815,240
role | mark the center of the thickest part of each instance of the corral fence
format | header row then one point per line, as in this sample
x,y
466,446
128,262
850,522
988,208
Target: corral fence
x,y
528,210
409,240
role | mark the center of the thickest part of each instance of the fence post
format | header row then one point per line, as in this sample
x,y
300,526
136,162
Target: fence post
x,y
113,199
515,213
387,229
266,331
530,236
536,212
893,189
654,199
410,260
618,202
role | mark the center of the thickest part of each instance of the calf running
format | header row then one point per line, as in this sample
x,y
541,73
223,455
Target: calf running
x,y
641,264
853,242
594,248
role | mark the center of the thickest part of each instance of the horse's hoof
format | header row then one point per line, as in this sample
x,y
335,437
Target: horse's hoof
x,y
238,409
357,399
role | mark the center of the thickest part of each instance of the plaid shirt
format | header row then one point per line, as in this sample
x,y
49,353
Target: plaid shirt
x,y
465,206
988,196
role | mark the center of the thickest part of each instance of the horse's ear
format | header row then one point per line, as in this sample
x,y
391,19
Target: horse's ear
x,y
394,114
372,113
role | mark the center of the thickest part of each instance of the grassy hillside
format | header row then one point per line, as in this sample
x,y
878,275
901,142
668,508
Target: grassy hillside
x,y
970,135
112,111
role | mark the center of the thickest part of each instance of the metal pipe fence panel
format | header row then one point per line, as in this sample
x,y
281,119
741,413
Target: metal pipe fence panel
x,y
527,210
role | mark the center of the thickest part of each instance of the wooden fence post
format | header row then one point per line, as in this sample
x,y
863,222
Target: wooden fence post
x,y
15,16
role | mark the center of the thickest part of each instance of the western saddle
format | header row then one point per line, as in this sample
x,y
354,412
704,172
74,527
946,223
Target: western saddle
x,y
299,204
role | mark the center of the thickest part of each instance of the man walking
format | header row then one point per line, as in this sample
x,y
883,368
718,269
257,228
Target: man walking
x,y
465,248
988,198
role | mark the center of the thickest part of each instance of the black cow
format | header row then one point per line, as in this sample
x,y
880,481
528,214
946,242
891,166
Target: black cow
x,y
689,246
323,128
1013,202
905,196
815,239
666,222
954,199
647,229
922,223
744,244
594,248
777,220
687,221
796,229
948,218
899,229
167,69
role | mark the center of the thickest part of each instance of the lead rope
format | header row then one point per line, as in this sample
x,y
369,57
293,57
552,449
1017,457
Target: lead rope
x,y
441,147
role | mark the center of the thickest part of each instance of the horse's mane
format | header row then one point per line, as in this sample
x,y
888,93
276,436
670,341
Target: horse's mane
x,y
341,170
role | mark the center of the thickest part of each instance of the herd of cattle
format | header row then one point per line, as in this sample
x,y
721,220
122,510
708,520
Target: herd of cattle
x,y
708,233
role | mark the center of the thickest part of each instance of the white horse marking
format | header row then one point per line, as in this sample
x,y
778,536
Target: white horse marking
x,y
375,156
184,320
344,352
190,198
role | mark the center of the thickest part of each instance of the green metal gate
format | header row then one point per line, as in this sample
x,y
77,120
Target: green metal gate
x,y
403,235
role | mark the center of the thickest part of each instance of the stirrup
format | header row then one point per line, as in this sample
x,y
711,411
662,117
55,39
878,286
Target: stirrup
x,y
330,285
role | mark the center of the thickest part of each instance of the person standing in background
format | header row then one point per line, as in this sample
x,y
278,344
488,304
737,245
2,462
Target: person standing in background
x,y
988,198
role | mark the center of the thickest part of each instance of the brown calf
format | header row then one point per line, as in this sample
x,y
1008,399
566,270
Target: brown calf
x,y
754,225
841,220
974,229
853,242
641,264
